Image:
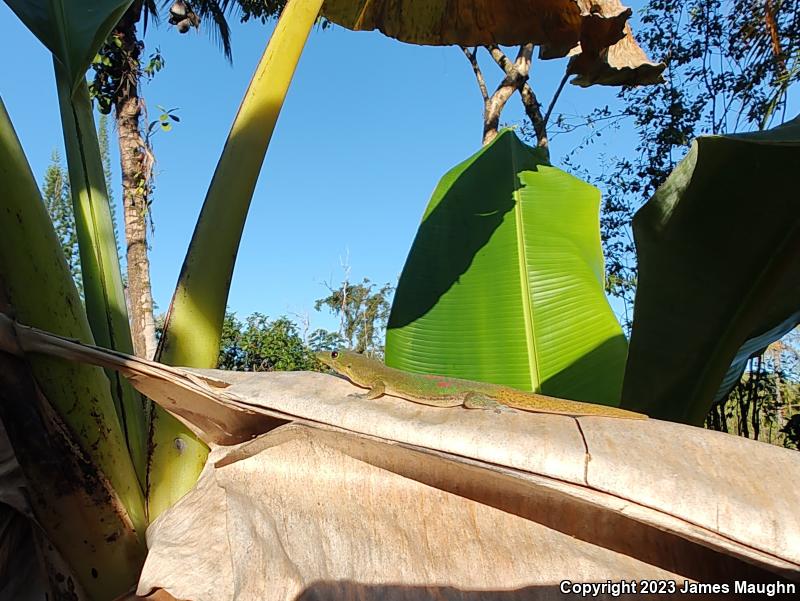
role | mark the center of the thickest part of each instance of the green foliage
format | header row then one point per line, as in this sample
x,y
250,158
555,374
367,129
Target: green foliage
x,y
116,66
164,122
730,67
73,31
323,340
263,345
363,312
719,271
262,10
39,287
155,64
504,281
57,200
104,296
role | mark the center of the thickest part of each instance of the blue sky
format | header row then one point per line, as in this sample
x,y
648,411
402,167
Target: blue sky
x,y
369,126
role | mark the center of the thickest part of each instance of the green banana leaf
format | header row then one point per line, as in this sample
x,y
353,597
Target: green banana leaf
x,y
719,271
36,286
104,294
193,326
504,281
73,30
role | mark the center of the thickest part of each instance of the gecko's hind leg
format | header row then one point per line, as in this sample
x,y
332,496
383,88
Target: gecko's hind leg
x,y
476,400
376,389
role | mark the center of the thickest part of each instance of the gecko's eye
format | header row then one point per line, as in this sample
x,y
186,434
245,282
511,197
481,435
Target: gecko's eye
x,y
334,354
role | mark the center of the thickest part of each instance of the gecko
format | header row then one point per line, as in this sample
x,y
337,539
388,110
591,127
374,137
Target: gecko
x,y
443,391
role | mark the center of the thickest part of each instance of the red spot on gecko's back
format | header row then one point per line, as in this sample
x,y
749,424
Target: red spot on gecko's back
x,y
443,384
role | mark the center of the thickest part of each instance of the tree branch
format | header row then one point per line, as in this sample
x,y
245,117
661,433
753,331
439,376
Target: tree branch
x,y
516,77
534,111
501,59
555,99
494,106
522,64
473,60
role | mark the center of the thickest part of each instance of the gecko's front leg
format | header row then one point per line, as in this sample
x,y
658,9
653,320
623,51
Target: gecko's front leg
x,y
376,389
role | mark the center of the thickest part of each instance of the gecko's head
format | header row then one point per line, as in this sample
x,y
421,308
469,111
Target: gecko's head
x,y
347,363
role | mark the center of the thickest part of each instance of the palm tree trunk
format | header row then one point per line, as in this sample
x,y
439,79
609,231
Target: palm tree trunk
x,y
136,163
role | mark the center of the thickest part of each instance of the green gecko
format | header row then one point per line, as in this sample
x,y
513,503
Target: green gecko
x,y
442,391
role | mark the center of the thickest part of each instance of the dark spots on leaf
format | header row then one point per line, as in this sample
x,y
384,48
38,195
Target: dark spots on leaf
x,y
94,573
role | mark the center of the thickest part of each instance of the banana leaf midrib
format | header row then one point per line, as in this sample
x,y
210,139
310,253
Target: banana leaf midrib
x,y
526,286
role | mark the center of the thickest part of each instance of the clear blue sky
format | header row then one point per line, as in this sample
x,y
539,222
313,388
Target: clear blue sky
x,y
369,126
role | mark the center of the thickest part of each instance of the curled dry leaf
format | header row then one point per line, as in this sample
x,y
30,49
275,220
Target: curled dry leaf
x,y
197,401
622,62
360,499
556,25
305,513
594,32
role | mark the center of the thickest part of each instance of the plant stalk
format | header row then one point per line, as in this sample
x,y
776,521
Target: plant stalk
x,y
36,284
193,327
102,278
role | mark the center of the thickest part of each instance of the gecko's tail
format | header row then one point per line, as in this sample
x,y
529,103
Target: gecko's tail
x,y
577,409
546,404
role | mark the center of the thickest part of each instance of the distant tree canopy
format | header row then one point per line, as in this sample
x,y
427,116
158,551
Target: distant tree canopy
x,y
765,404
263,10
261,344
58,202
363,312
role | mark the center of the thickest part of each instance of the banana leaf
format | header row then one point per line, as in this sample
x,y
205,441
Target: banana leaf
x,y
60,417
719,271
558,25
504,281
72,30
193,326
595,34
